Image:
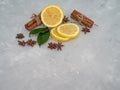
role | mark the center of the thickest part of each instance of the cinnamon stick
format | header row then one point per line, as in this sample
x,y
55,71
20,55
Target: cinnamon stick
x,y
31,24
82,18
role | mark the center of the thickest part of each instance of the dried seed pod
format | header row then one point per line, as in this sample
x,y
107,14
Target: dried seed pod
x,y
19,36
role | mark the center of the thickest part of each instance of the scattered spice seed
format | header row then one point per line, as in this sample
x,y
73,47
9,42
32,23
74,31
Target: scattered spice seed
x,y
21,43
19,36
65,19
85,30
57,46
30,42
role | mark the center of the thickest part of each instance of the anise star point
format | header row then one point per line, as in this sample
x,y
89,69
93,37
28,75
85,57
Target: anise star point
x,y
31,42
65,19
59,46
86,30
22,43
19,36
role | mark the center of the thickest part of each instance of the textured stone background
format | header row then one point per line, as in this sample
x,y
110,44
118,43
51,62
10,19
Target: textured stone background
x,y
89,62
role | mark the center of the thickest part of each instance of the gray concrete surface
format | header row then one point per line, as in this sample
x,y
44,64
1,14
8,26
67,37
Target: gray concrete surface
x,y
89,62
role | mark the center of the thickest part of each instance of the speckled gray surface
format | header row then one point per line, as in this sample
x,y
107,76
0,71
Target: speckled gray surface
x,y
89,62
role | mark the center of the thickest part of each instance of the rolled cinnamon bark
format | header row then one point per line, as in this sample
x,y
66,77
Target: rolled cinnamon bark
x,y
32,24
82,18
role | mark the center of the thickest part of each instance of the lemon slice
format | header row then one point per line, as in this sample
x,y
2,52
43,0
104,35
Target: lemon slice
x,y
68,30
55,36
52,16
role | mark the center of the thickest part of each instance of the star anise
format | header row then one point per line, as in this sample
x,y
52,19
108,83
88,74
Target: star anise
x,y
65,19
85,30
57,46
30,42
52,45
19,36
22,43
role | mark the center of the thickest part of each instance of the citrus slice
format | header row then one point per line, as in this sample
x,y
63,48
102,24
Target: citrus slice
x,y
68,30
55,36
52,16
